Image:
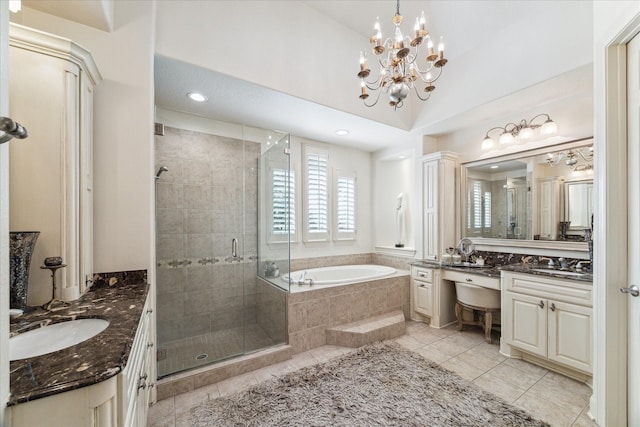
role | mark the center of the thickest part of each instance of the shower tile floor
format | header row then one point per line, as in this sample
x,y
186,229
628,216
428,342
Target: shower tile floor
x,y
554,398
189,353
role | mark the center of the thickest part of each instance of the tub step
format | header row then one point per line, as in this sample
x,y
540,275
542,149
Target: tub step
x,y
377,328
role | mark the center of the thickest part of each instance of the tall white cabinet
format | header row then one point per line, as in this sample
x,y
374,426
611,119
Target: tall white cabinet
x,y
51,93
440,188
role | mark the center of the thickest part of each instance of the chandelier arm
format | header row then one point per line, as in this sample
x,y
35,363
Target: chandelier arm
x,y
418,94
586,158
376,101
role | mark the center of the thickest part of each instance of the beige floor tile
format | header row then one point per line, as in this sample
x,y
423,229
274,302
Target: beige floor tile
x,y
490,351
519,379
425,336
555,413
413,326
462,368
499,387
527,367
186,401
302,360
432,353
236,384
452,345
162,414
584,420
477,359
273,371
408,342
558,388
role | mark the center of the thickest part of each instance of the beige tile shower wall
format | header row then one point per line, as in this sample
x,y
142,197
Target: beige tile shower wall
x,y
207,198
310,313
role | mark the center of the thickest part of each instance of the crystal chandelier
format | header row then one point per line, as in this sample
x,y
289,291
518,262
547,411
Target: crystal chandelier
x,y
399,71
521,131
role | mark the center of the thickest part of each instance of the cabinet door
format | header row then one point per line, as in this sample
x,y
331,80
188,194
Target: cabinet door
x,y
430,214
527,318
570,335
424,298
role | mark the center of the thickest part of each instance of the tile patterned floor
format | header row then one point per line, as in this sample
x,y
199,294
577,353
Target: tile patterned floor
x,y
187,353
546,395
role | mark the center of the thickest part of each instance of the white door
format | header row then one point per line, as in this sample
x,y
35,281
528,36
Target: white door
x,y
633,150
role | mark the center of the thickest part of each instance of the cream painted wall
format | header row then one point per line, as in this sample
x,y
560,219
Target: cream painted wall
x,y
123,143
544,43
614,24
392,177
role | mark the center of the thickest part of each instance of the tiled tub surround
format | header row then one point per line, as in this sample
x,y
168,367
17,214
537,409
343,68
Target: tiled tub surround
x,y
312,310
118,298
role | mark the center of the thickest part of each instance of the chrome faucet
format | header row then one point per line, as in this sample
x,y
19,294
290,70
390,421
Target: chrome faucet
x,y
29,326
551,262
582,265
563,263
302,277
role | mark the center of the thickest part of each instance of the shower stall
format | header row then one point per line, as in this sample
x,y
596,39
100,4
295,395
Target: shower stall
x,y
217,297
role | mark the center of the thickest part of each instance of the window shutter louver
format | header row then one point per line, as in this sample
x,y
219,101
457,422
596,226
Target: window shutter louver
x,y
317,209
283,221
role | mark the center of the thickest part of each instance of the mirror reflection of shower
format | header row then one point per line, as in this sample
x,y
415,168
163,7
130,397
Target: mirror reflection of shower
x,y
160,171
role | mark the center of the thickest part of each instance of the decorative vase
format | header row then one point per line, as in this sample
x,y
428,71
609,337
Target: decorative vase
x,y
21,248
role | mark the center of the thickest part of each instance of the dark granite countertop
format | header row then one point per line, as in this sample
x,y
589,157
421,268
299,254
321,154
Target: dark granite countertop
x,y
90,362
494,271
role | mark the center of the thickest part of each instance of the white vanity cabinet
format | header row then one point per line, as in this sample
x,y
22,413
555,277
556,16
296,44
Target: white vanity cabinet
x,y
120,401
431,298
548,318
439,203
51,84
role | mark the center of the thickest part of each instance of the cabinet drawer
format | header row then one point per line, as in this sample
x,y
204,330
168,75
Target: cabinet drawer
x,y
564,290
473,279
423,274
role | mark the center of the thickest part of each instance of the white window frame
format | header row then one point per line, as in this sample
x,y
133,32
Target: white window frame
x,y
282,237
338,234
308,235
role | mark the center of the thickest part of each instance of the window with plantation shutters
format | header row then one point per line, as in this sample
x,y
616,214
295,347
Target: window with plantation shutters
x,y
345,205
316,207
283,186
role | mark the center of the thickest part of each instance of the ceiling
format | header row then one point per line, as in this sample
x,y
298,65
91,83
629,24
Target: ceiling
x,y
468,26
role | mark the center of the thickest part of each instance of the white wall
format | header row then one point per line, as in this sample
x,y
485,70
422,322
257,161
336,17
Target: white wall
x,y
123,143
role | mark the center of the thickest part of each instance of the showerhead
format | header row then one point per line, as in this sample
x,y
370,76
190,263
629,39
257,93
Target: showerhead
x,y
162,169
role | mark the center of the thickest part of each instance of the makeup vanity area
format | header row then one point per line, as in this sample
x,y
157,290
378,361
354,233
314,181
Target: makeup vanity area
x,y
527,216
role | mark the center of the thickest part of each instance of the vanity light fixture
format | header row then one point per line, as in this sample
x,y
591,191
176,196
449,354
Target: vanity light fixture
x,y
522,131
572,157
198,97
397,57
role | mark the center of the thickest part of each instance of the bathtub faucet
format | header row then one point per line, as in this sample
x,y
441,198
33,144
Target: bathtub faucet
x,y
303,279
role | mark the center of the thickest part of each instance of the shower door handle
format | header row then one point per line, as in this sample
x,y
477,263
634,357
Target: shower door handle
x,y
234,248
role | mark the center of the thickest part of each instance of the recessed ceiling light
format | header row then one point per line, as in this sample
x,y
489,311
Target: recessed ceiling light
x,y
342,132
494,167
198,97
401,157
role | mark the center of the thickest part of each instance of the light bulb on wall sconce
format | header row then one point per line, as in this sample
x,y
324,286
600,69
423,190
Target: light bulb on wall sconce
x,y
522,131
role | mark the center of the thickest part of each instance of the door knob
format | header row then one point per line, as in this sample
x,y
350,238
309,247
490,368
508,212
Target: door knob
x,y
633,290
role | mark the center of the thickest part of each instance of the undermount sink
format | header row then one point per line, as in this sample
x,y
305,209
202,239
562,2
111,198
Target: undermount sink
x,y
54,337
560,272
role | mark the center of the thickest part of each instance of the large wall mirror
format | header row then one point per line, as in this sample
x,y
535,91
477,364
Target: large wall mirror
x,y
543,195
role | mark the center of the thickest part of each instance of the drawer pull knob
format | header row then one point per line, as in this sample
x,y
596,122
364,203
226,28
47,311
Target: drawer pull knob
x,y
469,280
552,307
150,310
149,345
541,304
422,275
